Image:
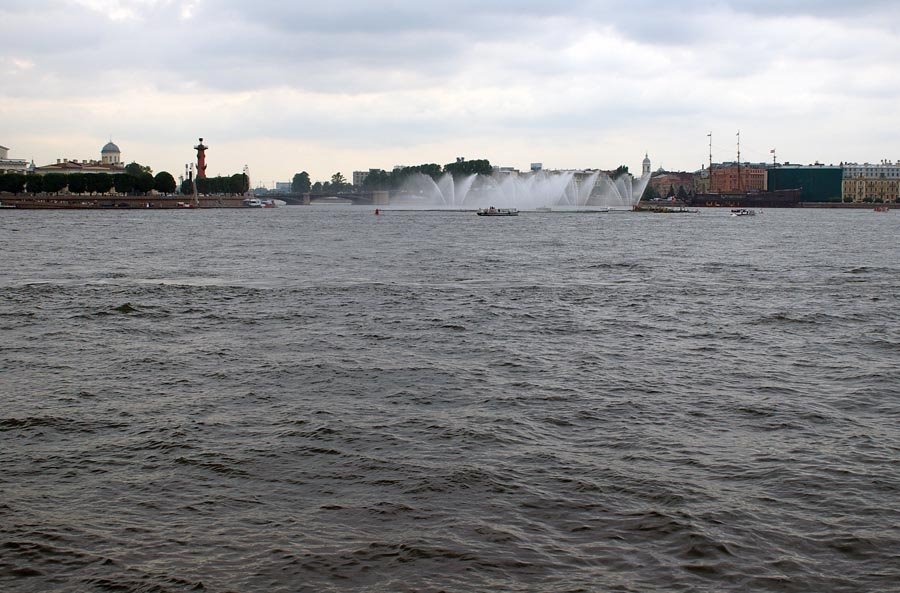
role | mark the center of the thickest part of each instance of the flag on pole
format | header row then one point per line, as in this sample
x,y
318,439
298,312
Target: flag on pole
x,y
772,151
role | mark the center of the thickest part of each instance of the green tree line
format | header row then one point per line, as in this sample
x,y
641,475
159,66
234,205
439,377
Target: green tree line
x,y
90,183
235,184
379,179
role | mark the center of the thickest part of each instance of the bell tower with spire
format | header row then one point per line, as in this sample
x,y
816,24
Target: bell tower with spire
x,y
645,170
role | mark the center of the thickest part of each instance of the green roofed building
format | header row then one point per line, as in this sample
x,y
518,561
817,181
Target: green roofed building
x,y
818,183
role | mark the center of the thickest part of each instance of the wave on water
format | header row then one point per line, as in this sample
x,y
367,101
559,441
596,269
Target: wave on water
x,y
554,404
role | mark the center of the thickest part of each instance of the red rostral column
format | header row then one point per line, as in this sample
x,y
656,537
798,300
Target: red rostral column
x,y
201,160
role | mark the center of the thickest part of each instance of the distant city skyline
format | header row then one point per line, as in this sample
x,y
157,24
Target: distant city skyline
x,y
349,85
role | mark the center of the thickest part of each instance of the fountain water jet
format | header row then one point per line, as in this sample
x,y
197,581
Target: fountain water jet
x,y
568,189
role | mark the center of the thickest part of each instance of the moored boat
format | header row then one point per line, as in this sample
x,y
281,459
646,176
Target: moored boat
x,y
742,212
252,203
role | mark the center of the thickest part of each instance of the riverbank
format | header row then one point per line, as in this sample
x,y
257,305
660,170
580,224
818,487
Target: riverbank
x,y
849,206
830,205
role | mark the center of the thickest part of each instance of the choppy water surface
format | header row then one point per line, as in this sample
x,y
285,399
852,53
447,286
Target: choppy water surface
x,y
309,399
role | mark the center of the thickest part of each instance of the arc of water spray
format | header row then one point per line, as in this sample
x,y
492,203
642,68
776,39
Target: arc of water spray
x,y
531,191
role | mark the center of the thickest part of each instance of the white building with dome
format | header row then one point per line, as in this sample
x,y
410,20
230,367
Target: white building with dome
x,y
110,162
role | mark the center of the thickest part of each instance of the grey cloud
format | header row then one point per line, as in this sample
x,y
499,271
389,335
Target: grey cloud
x,y
356,46
665,62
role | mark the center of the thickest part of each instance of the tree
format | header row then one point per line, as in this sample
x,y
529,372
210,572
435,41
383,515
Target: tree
x,y
620,170
13,183
316,187
433,170
681,194
377,179
164,183
77,183
98,183
35,184
205,185
187,188
464,168
144,182
104,182
238,183
398,176
135,169
123,182
671,192
54,182
650,194
300,183
338,181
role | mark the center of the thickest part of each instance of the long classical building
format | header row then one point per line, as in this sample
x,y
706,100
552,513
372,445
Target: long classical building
x,y
8,165
871,182
110,162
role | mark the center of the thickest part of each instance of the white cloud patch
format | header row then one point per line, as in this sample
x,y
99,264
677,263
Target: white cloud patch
x,y
120,10
21,65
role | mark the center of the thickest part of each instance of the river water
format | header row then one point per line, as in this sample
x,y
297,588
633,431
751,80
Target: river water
x,y
319,399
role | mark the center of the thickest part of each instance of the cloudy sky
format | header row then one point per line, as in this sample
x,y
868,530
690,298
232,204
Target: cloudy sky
x,y
344,85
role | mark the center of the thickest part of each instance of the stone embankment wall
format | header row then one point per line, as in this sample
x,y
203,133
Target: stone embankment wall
x,y
81,202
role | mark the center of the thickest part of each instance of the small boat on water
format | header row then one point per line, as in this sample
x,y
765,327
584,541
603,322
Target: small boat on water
x,y
663,210
497,212
252,203
742,212
882,209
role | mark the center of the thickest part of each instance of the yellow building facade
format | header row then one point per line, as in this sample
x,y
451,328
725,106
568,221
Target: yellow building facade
x,y
861,189
870,182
